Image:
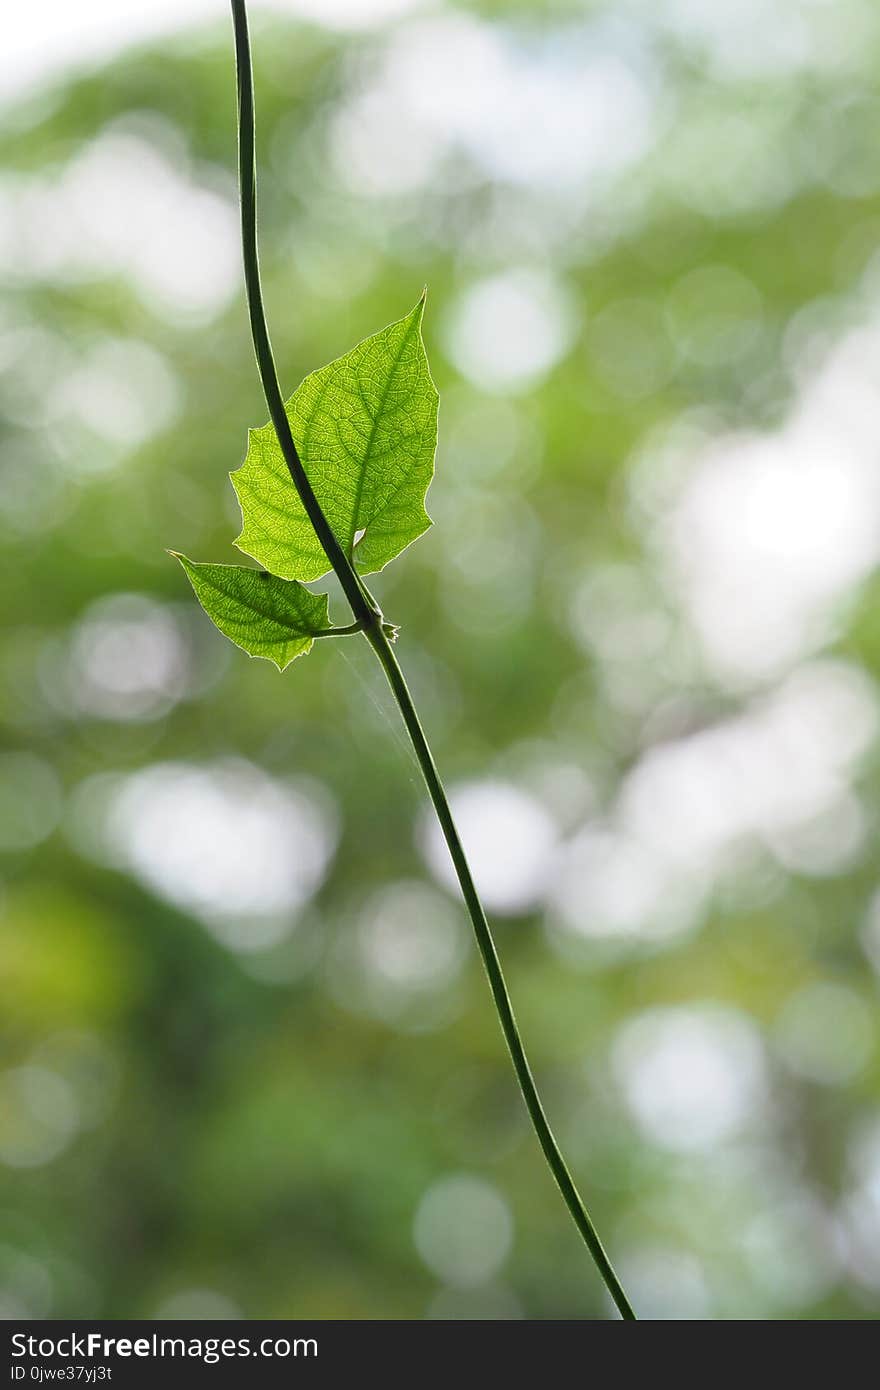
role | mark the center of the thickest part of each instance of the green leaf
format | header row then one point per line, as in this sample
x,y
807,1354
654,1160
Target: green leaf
x,y
366,430
267,616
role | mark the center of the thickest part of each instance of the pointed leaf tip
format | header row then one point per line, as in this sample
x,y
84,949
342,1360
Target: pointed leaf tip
x,y
264,615
366,430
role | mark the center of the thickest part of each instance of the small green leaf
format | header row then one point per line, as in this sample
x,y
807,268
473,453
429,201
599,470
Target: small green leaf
x,y
365,427
267,616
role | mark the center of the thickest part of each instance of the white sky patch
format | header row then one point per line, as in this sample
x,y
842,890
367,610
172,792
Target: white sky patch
x,y
793,1248
795,34
412,937
345,14
665,1284
40,1116
616,613
400,957
777,777
463,1230
751,176
510,841
123,391
870,933
552,112
769,532
613,885
375,152
692,1077
508,331
125,206
45,40
126,660
860,1208
784,761
241,851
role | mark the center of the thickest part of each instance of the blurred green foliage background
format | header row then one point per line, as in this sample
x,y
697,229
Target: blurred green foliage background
x,y
249,1062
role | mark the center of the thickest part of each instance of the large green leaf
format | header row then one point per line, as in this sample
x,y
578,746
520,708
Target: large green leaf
x,y
366,430
267,616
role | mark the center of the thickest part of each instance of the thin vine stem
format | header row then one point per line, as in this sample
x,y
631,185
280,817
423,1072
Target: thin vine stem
x,y
497,984
360,605
368,619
